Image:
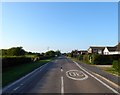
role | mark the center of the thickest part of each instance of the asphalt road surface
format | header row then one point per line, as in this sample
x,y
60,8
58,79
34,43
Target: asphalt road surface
x,y
62,75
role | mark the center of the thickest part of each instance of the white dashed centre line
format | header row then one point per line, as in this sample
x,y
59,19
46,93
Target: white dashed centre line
x,y
61,70
62,86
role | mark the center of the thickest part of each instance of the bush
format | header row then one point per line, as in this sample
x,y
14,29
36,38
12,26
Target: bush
x,y
102,60
86,58
116,65
80,57
13,61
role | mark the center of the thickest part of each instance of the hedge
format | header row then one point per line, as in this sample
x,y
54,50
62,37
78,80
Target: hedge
x,y
116,65
102,60
86,58
13,61
105,59
98,59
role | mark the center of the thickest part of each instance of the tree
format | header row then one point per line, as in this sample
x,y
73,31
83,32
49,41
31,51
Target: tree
x,y
58,53
4,52
15,51
50,53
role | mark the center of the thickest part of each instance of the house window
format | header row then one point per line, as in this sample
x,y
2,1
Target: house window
x,y
95,51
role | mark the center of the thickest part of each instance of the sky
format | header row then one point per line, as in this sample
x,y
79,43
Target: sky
x,y
64,26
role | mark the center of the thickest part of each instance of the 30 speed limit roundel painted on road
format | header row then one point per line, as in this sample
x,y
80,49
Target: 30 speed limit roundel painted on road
x,y
76,75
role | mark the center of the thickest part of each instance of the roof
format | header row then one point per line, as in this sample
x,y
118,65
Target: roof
x,y
97,47
111,48
83,51
118,47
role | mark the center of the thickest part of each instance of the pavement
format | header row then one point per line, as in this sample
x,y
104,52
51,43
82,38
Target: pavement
x,y
62,76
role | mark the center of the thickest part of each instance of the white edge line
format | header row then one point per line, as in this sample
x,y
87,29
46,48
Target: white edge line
x,y
97,79
62,85
5,88
16,88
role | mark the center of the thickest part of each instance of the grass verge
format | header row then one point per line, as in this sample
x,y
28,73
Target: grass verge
x,y
14,73
111,71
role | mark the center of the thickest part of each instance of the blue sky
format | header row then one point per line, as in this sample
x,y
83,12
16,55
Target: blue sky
x,y
64,26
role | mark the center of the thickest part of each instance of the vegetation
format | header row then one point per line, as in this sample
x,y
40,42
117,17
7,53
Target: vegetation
x,y
15,51
17,55
16,72
116,65
16,62
112,71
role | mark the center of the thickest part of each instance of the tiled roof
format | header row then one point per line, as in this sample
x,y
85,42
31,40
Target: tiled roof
x,y
97,47
118,47
111,48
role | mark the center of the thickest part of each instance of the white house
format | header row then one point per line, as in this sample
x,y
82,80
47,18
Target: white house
x,y
112,50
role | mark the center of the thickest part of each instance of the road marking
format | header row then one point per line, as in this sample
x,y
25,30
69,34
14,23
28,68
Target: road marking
x,y
16,88
97,79
61,70
76,75
62,86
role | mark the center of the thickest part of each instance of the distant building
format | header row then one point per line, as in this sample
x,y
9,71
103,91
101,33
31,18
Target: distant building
x,y
83,52
96,49
112,50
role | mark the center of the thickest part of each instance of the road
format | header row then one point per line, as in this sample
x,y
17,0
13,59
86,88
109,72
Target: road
x,y
62,75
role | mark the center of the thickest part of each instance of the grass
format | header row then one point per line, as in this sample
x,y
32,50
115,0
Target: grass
x,y
18,56
111,71
11,74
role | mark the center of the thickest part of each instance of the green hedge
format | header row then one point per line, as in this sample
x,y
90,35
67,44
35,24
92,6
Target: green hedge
x,y
102,59
105,59
13,61
116,65
86,58
80,57
98,59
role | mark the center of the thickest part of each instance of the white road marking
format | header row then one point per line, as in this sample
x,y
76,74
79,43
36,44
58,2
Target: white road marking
x,y
73,75
16,88
97,79
62,86
61,70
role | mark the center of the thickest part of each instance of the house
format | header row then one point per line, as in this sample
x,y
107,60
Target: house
x,y
96,49
112,50
83,52
109,51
